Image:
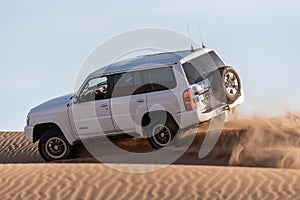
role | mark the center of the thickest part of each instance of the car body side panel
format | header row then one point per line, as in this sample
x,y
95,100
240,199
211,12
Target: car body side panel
x,y
126,110
91,119
57,115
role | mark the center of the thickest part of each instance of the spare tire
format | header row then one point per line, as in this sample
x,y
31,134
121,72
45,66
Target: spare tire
x,y
226,85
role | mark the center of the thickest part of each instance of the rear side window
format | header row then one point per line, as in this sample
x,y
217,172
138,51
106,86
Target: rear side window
x,y
128,83
138,82
159,79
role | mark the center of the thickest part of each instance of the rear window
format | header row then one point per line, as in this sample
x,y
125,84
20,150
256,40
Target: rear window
x,y
198,68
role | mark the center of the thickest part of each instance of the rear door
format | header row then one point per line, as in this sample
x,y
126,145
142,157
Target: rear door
x,y
128,101
162,93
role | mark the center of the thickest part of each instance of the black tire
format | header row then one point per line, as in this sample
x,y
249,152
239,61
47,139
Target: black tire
x,y
226,85
54,146
161,132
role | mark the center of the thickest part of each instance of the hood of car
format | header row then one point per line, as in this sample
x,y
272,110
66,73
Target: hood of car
x,y
53,102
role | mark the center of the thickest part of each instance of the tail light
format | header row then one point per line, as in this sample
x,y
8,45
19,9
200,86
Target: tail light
x,y
188,100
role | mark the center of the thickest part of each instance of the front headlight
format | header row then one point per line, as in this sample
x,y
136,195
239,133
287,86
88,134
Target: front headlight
x,y
27,120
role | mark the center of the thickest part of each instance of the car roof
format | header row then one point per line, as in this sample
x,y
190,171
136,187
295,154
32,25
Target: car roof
x,y
166,58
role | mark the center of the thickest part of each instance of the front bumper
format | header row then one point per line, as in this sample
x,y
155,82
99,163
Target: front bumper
x,y
28,130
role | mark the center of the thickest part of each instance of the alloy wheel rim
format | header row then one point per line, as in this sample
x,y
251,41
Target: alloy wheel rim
x,y
162,135
56,147
231,83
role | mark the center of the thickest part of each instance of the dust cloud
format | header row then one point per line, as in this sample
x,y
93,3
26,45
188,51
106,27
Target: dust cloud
x,y
267,142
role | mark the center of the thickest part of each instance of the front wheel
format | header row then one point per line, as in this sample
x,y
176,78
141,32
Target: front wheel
x,y
53,146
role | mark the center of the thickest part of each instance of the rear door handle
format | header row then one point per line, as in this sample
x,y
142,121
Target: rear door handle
x,y
104,105
83,127
140,100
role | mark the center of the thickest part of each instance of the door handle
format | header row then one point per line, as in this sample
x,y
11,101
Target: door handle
x,y
104,105
83,127
140,100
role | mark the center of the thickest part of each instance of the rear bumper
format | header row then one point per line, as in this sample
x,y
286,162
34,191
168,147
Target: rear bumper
x,y
239,101
28,130
190,118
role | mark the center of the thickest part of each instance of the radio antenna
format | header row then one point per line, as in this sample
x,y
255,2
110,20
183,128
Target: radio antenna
x,y
202,43
188,28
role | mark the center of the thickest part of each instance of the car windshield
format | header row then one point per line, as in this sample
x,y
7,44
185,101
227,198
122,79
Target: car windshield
x,y
199,68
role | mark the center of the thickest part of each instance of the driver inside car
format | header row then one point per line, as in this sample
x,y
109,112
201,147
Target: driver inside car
x,y
100,92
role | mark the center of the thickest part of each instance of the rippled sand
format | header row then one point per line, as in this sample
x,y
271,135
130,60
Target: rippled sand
x,y
257,142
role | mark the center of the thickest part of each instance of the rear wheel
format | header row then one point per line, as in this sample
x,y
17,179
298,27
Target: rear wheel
x,y
53,146
161,133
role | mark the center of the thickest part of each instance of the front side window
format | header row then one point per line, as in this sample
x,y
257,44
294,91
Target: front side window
x,y
95,89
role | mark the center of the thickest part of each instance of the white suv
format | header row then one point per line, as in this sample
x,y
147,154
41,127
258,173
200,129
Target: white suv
x,y
151,96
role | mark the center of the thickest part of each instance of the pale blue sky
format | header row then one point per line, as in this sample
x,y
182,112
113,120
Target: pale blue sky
x,y
43,44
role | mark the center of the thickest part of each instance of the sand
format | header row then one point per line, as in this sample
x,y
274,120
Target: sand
x,y
14,148
96,181
253,159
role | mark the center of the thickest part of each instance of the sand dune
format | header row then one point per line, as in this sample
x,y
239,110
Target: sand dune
x,y
14,148
259,141
96,181
255,142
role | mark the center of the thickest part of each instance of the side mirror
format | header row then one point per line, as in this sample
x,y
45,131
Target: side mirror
x,y
75,100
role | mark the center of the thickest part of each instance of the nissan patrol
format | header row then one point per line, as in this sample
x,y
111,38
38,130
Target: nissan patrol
x,y
152,96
